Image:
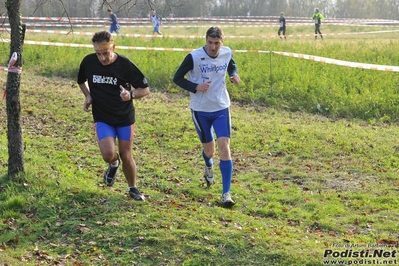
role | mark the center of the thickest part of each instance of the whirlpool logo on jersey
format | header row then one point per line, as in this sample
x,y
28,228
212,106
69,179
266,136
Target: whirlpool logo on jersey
x,y
206,68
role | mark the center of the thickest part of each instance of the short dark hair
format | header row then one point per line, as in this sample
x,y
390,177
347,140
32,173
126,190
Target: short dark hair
x,y
214,32
102,36
109,10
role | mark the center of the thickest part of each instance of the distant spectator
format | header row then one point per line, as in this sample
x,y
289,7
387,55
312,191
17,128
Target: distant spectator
x,y
282,26
156,21
248,13
317,17
114,22
172,15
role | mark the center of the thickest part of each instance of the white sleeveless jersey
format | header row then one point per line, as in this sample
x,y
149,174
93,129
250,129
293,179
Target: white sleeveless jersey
x,y
154,19
206,68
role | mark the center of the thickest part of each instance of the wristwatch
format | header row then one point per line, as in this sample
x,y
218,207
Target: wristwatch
x,y
132,94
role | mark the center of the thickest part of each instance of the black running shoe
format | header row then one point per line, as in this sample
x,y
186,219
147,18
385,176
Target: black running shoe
x,y
135,193
110,174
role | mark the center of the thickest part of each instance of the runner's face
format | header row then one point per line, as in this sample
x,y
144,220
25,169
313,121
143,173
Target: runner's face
x,y
213,46
105,56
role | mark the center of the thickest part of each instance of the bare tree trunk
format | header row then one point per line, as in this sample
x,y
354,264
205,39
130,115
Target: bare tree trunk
x,y
14,128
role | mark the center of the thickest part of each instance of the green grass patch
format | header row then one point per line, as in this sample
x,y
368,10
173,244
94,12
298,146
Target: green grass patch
x,y
302,182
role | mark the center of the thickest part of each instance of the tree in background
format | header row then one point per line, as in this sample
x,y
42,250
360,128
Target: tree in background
x,y
98,8
383,9
14,128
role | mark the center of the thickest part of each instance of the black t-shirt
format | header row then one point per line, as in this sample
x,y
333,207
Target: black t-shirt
x,y
104,81
282,21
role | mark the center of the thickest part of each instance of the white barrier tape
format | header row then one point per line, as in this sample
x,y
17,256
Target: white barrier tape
x,y
191,18
341,62
13,60
198,36
165,25
212,19
302,56
13,69
99,23
133,47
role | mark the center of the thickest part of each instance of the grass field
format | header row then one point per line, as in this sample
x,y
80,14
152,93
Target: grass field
x,y
306,181
331,90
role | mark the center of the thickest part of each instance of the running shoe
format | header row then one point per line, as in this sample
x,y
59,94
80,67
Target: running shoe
x,y
227,201
110,174
208,175
135,193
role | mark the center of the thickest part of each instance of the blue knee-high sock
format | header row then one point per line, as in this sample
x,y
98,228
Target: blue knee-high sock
x,y
226,167
208,161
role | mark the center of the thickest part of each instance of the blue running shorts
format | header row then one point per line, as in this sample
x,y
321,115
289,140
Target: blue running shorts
x,y
122,133
208,122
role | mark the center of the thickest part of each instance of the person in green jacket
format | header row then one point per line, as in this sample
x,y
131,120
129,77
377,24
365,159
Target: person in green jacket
x,y
317,17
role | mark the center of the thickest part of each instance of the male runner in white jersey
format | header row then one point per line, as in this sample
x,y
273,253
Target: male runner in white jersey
x,y
206,68
156,21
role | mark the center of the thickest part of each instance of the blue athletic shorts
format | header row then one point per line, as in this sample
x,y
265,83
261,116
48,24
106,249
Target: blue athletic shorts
x,y
122,133
114,28
208,122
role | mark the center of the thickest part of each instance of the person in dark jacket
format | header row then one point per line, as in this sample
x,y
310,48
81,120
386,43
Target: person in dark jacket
x,y
114,27
282,26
